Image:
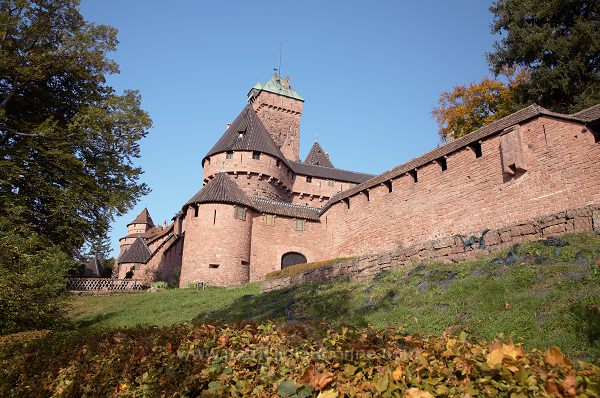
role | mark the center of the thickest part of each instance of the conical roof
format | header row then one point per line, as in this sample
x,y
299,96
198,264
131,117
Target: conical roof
x,y
276,85
318,157
143,218
221,189
247,133
138,252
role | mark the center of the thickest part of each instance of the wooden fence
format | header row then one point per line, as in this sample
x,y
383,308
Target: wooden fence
x,y
91,284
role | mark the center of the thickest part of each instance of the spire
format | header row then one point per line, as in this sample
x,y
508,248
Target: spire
x,y
318,157
143,218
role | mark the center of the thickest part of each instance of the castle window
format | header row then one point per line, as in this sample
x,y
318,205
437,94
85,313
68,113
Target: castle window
x,y
299,224
256,155
269,220
213,266
443,163
476,147
596,133
308,179
195,211
347,202
277,163
330,183
229,155
239,212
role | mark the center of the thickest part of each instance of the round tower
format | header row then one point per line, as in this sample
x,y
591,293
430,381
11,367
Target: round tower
x,y
218,228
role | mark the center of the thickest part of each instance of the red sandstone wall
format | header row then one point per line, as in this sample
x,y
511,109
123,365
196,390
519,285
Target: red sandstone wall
x,y
317,192
224,241
281,116
473,194
242,162
269,243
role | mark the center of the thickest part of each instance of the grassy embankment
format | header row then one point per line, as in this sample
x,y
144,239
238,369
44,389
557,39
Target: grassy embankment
x,y
544,295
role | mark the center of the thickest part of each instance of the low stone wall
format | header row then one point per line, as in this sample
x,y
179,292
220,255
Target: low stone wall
x,y
450,249
105,284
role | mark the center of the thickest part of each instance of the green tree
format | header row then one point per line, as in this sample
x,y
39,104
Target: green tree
x,y
67,140
558,42
33,277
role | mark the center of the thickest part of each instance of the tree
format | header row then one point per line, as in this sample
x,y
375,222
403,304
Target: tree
x,y
67,140
467,108
33,276
558,42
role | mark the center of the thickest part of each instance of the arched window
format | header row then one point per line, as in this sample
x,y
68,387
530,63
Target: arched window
x,y
292,258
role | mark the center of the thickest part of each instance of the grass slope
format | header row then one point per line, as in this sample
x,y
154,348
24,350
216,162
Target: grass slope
x,y
544,295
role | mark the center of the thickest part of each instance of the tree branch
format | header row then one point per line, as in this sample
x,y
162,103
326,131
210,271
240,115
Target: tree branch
x,y
11,93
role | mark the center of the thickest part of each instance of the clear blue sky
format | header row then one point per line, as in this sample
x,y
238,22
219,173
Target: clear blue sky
x,y
369,71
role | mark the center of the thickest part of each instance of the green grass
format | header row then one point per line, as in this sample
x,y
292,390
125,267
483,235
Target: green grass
x,y
300,268
539,295
161,308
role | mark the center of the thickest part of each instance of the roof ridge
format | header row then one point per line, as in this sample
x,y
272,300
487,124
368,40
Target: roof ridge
x,y
520,116
220,189
292,205
334,168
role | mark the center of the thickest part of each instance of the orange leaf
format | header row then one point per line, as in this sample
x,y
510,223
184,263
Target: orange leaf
x,y
418,393
397,374
308,374
555,358
321,380
168,346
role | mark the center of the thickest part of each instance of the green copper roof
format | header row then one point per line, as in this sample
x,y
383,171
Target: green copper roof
x,y
276,85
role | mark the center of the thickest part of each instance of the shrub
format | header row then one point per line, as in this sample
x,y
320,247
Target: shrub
x,y
159,285
33,278
300,268
294,360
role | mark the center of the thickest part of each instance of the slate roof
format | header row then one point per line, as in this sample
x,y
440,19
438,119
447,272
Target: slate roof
x,y
246,133
520,116
221,189
276,85
318,157
285,209
329,172
143,218
138,252
591,114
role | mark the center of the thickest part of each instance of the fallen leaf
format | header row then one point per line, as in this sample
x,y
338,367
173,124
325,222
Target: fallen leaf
x,y
556,358
321,380
328,394
397,374
418,393
506,305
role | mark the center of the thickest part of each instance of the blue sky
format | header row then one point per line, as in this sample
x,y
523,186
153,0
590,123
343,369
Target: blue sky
x,y
369,71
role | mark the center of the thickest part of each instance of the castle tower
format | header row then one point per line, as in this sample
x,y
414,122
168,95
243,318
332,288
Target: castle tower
x,y
142,223
279,107
218,233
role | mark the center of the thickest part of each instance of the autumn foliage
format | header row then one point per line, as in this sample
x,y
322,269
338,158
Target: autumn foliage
x,y
292,360
464,109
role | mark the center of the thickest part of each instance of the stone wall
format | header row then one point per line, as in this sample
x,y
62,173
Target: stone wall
x,y
562,170
450,249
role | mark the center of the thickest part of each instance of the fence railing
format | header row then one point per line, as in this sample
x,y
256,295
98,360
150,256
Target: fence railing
x,y
89,284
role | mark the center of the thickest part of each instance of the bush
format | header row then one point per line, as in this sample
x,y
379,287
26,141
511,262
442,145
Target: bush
x,y
294,360
33,278
300,268
159,285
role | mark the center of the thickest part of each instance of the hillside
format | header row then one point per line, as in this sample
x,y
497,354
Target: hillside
x,y
543,293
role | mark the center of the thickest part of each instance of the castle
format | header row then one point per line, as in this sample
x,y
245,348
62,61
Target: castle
x,y
262,209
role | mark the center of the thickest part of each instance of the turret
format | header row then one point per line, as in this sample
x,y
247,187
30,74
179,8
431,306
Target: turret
x,y
279,107
142,223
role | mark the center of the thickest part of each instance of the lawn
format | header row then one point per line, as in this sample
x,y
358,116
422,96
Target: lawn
x,y
540,295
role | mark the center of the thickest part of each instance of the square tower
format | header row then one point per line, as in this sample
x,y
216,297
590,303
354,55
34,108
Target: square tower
x,y
279,108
